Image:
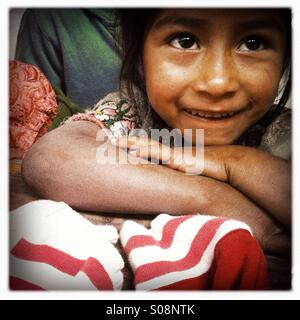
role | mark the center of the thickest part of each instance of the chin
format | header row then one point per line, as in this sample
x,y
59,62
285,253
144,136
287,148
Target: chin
x,y
219,142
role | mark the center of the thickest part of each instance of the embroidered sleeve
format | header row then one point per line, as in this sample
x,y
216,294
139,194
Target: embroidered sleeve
x,y
277,139
113,113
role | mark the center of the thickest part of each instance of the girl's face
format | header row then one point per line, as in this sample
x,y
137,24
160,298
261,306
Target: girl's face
x,y
214,69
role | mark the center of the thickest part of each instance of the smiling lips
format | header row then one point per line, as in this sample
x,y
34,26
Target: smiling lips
x,y
212,115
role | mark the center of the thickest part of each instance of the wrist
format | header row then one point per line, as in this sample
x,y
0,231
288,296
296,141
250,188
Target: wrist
x,y
233,158
216,163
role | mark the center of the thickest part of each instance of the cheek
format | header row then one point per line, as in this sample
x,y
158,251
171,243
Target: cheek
x,y
164,80
261,85
161,90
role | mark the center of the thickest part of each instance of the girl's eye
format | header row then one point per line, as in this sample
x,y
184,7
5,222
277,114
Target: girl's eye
x,y
252,44
185,41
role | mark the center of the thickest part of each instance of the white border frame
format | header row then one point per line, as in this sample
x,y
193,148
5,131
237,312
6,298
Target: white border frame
x,y
6,294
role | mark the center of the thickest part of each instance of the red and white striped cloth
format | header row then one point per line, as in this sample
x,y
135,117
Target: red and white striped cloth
x,y
194,252
52,247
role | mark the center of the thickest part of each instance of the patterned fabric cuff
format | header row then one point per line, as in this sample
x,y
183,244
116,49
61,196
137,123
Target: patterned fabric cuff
x,y
85,116
113,114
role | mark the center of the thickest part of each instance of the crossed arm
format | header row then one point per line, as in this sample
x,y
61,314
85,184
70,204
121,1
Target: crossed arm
x,y
264,178
62,166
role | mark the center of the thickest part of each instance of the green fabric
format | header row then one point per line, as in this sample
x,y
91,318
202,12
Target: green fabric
x,y
66,108
75,49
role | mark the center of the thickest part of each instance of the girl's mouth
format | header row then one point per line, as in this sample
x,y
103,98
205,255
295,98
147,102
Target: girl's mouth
x,y
211,115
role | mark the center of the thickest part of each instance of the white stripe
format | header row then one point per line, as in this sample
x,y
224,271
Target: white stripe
x,y
40,219
104,252
55,224
183,238
117,279
199,269
48,277
131,228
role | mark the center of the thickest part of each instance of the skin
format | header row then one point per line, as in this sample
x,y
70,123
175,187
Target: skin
x,y
207,65
213,64
216,77
229,164
62,166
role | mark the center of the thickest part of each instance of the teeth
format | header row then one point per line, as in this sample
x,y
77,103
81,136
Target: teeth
x,y
211,115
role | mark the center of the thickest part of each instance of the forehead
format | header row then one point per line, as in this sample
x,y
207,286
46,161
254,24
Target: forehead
x,y
270,18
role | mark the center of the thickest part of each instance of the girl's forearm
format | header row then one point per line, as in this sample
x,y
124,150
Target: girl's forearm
x,y
62,166
264,178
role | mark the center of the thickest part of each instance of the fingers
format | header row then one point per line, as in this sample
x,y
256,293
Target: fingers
x,y
155,152
134,142
146,148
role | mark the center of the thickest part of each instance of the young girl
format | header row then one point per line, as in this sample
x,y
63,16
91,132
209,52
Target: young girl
x,y
217,70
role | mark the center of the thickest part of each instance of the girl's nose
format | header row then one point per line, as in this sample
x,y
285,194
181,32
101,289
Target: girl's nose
x,y
217,74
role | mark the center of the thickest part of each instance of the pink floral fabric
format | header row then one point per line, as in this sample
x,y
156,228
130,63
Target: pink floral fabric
x,y
32,106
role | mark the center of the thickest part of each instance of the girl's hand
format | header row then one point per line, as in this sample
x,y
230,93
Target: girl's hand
x,y
263,178
209,162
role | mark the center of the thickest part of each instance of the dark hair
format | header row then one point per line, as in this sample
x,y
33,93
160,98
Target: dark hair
x,y
134,25
287,66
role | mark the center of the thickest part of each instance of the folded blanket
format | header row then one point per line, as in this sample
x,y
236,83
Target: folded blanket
x,y
52,247
193,252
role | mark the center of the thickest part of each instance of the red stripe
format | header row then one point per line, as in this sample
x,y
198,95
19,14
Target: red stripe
x,y
166,240
238,264
64,262
52,256
20,284
198,246
97,274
